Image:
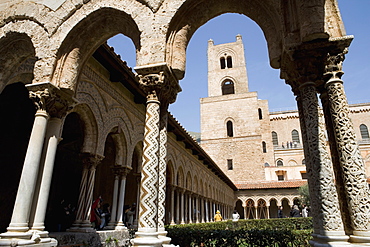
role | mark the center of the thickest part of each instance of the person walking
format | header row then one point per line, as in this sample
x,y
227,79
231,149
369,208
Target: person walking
x,y
235,216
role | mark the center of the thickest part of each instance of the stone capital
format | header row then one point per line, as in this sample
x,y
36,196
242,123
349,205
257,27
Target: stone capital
x,y
91,161
314,62
159,82
50,98
121,171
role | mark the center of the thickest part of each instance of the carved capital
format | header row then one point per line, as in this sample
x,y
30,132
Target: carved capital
x,y
91,161
315,62
121,171
51,99
159,82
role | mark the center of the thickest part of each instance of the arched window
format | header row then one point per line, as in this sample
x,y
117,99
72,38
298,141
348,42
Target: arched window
x,y
364,131
279,163
275,140
223,63
228,87
295,136
229,62
264,147
259,113
229,127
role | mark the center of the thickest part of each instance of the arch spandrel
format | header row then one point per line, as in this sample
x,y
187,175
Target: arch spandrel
x,y
85,37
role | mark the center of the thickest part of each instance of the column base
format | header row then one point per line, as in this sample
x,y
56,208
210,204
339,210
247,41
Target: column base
x,y
360,237
30,238
162,235
146,238
330,239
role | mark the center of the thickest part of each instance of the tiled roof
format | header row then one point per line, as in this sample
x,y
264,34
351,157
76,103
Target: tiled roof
x,y
271,185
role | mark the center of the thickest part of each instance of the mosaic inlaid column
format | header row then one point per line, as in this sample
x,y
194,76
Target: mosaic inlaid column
x,y
328,226
147,234
162,173
351,166
18,226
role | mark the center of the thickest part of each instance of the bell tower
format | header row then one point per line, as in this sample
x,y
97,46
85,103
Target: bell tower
x,y
227,72
235,125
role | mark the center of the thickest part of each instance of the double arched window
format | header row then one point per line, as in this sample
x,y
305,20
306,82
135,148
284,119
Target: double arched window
x,y
226,62
229,129
364,131
228,87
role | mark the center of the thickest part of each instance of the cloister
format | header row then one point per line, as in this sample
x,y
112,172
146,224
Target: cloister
x,y
111,118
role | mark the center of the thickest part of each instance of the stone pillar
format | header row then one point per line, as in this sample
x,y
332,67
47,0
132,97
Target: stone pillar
x,y
182,203
350,169
172,206
206,209
191,210
113,221
178,207
202,210
197,209
91,161
161,87
121,199
18,226
52,138
328,226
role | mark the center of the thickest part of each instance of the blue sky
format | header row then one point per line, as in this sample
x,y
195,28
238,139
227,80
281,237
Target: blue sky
x,y
262,78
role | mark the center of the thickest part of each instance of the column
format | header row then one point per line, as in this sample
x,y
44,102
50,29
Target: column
x,y
18,226
161,86
206,209
52,140
328,226
182,206
197,208
91,161
191,210
350,168
162,233
113,220
121,199
172,206
147,234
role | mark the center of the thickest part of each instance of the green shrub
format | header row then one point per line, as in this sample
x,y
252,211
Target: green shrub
x,y
270,232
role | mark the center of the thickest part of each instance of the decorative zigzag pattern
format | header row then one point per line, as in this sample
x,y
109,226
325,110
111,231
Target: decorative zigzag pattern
x,y
149,177
162,176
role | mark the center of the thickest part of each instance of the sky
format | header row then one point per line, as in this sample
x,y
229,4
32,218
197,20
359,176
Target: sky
x,y
262,78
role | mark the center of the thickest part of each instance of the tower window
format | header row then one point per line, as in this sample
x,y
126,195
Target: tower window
x,y
229,127
280,177
230,164
229,62
275,140
223,63
295,136
259,113
264,147
364,131
304,175
228,87
279,163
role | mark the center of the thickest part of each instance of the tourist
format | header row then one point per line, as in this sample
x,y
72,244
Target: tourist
x,y
130,215
304,211
295,212
95,216
105,215
280,212
235,216
218,216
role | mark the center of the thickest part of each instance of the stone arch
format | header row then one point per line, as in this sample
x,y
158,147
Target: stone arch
x,y
180,177
15,50
122,156
85,37
188,181
90,128
193,14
